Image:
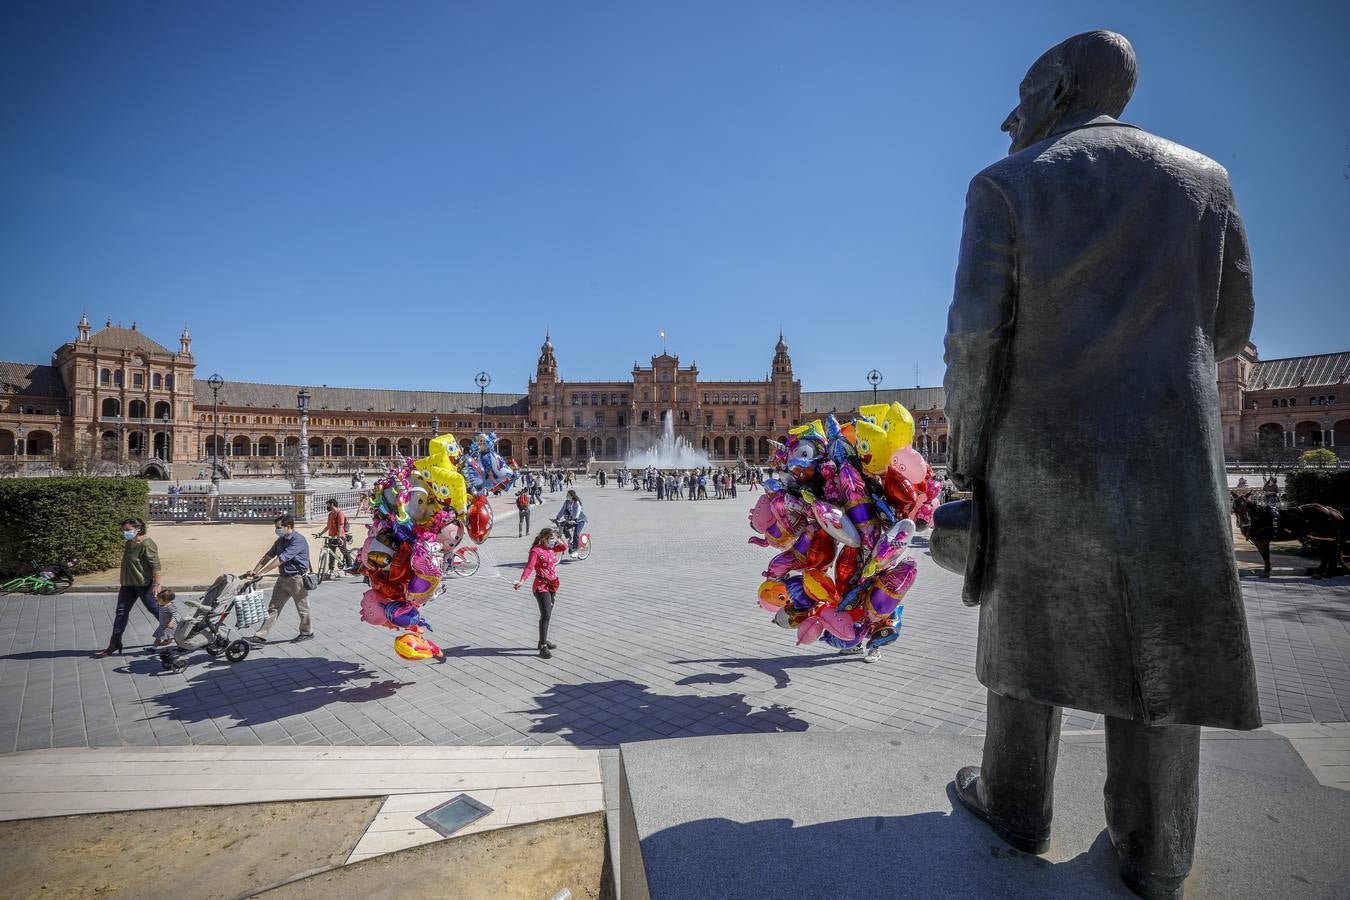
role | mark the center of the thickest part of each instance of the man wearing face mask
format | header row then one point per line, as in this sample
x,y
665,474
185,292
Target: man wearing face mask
x,y
1102,272
290,552
139,581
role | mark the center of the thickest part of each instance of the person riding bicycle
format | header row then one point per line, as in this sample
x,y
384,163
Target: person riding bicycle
x,y
337,533
571,519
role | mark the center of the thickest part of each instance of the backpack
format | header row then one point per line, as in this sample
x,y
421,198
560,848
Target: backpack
x,y
522,501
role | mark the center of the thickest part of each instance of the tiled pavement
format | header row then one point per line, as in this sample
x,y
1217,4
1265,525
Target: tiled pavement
x,y
659,636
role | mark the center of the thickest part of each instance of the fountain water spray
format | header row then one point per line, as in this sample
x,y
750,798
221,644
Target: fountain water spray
x,y
670,452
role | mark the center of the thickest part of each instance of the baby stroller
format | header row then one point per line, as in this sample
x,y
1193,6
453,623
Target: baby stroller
x,y
206,630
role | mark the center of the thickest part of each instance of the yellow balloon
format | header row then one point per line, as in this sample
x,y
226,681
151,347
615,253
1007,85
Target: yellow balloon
x,y
440,473
882,429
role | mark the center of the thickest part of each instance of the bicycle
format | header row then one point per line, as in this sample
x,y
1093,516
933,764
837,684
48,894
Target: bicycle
x,y
565,527
463,562
330,558
45,580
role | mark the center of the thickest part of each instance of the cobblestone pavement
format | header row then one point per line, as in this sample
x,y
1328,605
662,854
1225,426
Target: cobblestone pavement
x,y
658,635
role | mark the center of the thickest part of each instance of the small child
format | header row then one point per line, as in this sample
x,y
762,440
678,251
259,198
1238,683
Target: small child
x,y
168,617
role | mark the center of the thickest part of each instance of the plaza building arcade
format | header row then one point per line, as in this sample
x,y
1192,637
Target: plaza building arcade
x,y
118,395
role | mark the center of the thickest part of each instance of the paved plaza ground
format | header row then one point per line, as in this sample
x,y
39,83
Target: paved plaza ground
x,y
659,636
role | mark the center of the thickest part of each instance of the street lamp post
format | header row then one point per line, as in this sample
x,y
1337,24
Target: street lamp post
x,y
874,378
215,382
19,448
482,379
168,442
924,423
302,404
435,430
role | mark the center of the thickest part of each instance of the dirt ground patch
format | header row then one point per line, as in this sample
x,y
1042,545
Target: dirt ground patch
x,y
206,852
530,862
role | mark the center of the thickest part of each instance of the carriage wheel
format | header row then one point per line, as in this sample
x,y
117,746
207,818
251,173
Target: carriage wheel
x,y
237,650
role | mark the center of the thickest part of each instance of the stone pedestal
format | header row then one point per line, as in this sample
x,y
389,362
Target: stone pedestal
x,y
867,815
304,504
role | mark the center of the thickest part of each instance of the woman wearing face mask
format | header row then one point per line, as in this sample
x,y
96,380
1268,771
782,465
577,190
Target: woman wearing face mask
x,y
140,581
543,563
572,519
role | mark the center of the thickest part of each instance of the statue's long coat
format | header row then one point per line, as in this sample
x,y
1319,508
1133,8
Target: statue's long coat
x,y
1102,273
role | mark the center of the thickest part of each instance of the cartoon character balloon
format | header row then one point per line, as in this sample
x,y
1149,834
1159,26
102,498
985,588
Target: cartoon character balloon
x,y
841,507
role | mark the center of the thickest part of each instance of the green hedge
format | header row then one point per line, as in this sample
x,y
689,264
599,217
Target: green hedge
x,y
1325,486
47,519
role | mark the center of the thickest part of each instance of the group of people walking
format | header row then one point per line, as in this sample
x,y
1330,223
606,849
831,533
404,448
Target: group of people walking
x,y
694,484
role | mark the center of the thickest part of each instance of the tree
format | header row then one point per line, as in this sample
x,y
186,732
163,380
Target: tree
x,y
1318,458
290,463
1269,454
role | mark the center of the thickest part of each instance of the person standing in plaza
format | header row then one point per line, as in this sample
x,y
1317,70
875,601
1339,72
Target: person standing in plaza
x,y
290,552
139,581
543,562
522,512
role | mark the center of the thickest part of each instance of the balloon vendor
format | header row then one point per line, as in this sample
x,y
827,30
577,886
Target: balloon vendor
x,y
840,506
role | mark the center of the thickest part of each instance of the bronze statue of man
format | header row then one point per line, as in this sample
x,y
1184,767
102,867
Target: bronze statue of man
x,y
1103,271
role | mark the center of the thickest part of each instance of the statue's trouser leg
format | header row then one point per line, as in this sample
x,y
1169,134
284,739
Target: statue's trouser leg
x,y
1152,795
1017,774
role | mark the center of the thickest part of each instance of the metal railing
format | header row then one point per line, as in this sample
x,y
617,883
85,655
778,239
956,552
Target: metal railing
x,y
346,500
221,507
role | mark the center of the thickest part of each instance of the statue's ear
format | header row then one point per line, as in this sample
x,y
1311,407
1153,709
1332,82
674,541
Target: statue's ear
x,y
1066,89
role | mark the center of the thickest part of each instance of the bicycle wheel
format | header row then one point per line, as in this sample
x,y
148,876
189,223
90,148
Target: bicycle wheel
x,y
583,549
16,586
467,562
326,565
61,584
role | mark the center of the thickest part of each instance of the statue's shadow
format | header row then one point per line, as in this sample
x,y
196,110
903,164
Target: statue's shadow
x,y
931,854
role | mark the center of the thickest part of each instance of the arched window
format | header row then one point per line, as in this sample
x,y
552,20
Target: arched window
x,y
158,381
665,393
105,377
645,417
163,410
581,448
754,398
532,448
117,378
111,407
136,409
168,382
595,400
565,448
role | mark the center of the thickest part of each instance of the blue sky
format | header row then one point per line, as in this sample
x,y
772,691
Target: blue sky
x,y
399,195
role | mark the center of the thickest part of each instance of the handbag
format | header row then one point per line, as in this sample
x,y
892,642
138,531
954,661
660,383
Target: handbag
x,y
310,580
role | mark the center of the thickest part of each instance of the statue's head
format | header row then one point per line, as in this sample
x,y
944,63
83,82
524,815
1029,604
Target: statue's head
x,y
1094,72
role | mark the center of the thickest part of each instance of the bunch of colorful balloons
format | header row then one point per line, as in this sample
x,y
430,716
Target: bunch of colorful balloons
x,y
841,506
415,518
485,472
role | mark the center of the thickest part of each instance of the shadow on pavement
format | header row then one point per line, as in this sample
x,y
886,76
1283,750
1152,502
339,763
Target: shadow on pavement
x,y
931,854
466,650
47,654
614,712
257,691
775,667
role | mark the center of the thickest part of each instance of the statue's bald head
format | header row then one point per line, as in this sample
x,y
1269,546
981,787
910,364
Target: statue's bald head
x,y
1094,72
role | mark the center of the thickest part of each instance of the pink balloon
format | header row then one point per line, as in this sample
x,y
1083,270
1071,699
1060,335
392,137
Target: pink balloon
x,y
768,607
837,622
810,630
910,463
372,609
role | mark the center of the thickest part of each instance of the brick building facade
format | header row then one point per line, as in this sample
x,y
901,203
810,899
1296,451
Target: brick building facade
x,y
118,394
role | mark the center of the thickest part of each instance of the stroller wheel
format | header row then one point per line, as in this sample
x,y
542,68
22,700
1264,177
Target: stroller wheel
x,y
216,647
178,665
167,660
237,650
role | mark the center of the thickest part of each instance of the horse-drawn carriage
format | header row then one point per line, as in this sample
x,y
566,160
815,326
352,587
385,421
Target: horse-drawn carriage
x,y
1312,524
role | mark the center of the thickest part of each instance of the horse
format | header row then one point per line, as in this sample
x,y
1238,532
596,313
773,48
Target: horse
x,y
1310,523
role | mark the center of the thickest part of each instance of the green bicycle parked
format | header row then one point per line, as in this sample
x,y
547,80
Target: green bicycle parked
x,y
46,580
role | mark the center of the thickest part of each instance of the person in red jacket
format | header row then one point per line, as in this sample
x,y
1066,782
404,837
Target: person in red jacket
x,y
543,562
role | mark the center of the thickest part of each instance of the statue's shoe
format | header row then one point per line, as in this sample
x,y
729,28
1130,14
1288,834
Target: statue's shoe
x,y
1153,887
967,791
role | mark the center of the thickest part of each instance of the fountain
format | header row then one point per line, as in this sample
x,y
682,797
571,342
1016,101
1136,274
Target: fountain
x,y
670,452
